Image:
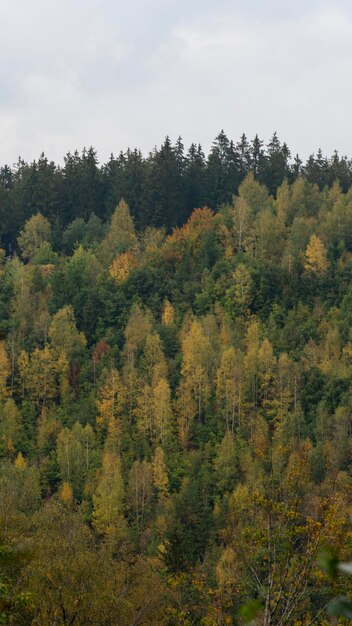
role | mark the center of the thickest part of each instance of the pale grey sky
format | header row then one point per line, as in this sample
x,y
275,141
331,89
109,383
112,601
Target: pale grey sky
x,y
114,74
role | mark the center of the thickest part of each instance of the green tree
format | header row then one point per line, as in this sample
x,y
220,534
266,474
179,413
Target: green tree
x,y
35,233
64,336
121,236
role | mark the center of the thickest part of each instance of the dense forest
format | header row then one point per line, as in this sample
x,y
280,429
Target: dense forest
x,y
175,387
161,190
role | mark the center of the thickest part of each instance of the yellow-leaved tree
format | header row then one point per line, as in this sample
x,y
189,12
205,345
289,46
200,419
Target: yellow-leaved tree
x,y
315,256
160,477
140,490
238,295
153,411
108,516
110,403
38,375
66,494
122,266
163,414
168,314
139,326
153,360
193,391
4,371
74,450
229,387
10,427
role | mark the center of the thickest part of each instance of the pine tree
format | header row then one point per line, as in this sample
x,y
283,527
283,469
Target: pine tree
x,y
276,166
194,177
164,200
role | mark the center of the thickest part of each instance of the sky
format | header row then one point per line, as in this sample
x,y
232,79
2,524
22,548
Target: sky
x,y
116,74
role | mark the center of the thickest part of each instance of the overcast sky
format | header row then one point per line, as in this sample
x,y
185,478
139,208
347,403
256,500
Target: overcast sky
x,y
113,74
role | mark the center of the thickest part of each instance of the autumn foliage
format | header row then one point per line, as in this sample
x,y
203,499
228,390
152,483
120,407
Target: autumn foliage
x,y
175,414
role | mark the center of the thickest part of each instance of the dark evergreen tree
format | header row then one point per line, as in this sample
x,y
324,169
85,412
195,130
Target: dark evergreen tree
x,y
223,171
258,157
194,178
113,176
90,185
339,169
190,526
134,184
276,165
71,183
316,170
161,189
296,168
163,194
245,157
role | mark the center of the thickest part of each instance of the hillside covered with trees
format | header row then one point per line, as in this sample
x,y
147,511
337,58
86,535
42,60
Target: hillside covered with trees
x,y
175,387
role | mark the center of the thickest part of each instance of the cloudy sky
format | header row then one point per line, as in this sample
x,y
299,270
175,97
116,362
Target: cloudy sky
x,y
113,74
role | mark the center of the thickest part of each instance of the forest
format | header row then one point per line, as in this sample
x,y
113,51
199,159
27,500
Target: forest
x,y
175,387
161,190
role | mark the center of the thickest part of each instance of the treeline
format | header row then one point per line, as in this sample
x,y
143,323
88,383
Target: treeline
x,y
161,189
175,414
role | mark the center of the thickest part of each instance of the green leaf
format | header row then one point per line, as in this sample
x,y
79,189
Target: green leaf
x,y
341,607
328,561
250,610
